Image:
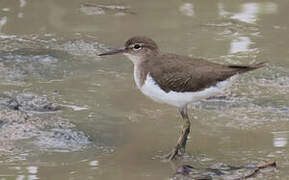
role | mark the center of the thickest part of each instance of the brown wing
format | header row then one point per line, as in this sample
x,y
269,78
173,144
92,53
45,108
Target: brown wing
x,y
190,74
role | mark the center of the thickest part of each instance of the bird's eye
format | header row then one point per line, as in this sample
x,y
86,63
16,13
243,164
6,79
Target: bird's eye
x,y
136,46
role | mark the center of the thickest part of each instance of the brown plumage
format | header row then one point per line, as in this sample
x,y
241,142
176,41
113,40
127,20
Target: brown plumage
x,y
190,74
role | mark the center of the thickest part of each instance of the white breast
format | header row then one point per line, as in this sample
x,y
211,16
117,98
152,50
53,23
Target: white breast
x,y
152,90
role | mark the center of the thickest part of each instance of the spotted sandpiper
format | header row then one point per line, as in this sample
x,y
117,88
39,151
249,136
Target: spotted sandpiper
x,y
177,80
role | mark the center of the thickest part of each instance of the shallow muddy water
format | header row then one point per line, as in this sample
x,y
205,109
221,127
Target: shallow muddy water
x,y
50,48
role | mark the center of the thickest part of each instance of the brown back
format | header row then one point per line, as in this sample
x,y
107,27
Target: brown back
x,y
184,74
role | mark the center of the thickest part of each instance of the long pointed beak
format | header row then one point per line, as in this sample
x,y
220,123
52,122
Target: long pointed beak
x,y
113,51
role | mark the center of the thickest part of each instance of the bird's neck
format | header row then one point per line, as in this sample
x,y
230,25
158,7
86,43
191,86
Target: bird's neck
x,y
138,75
134,59
141,68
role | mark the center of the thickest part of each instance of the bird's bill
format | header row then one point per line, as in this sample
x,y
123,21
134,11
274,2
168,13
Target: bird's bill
x,y
113,51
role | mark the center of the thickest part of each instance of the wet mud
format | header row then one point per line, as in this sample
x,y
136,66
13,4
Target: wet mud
x,y
66,113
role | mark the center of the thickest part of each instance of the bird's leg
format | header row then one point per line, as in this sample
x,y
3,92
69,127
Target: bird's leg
x,y
179,149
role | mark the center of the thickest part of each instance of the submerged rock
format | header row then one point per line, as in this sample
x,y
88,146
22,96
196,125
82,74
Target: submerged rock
x,y
28,102
60,139
11,74
51,133
23,129
33,102
24,64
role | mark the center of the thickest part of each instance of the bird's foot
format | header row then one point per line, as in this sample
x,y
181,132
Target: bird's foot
x,y
176,153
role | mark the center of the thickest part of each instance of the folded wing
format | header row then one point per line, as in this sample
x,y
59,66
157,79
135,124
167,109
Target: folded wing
x,y
193,75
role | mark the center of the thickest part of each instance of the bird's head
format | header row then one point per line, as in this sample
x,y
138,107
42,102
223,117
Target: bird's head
x,y
136,49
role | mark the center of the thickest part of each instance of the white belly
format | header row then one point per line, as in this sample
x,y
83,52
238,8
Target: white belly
x,y
152,90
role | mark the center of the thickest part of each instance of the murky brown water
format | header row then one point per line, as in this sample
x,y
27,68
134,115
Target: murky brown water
x,y
50,47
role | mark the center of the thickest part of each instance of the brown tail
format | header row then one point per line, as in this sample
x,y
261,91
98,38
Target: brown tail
x,y
243,68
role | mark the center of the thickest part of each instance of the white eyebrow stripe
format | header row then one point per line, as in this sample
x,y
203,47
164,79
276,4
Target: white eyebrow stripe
x,y
132,45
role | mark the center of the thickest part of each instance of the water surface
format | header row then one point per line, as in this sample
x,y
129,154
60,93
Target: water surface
x,y
50,48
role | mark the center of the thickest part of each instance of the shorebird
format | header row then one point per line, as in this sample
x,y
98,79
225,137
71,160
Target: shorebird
x,y
177,80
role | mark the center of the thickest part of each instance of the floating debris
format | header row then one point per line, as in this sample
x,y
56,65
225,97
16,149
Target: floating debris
x,y
75,107
221,171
